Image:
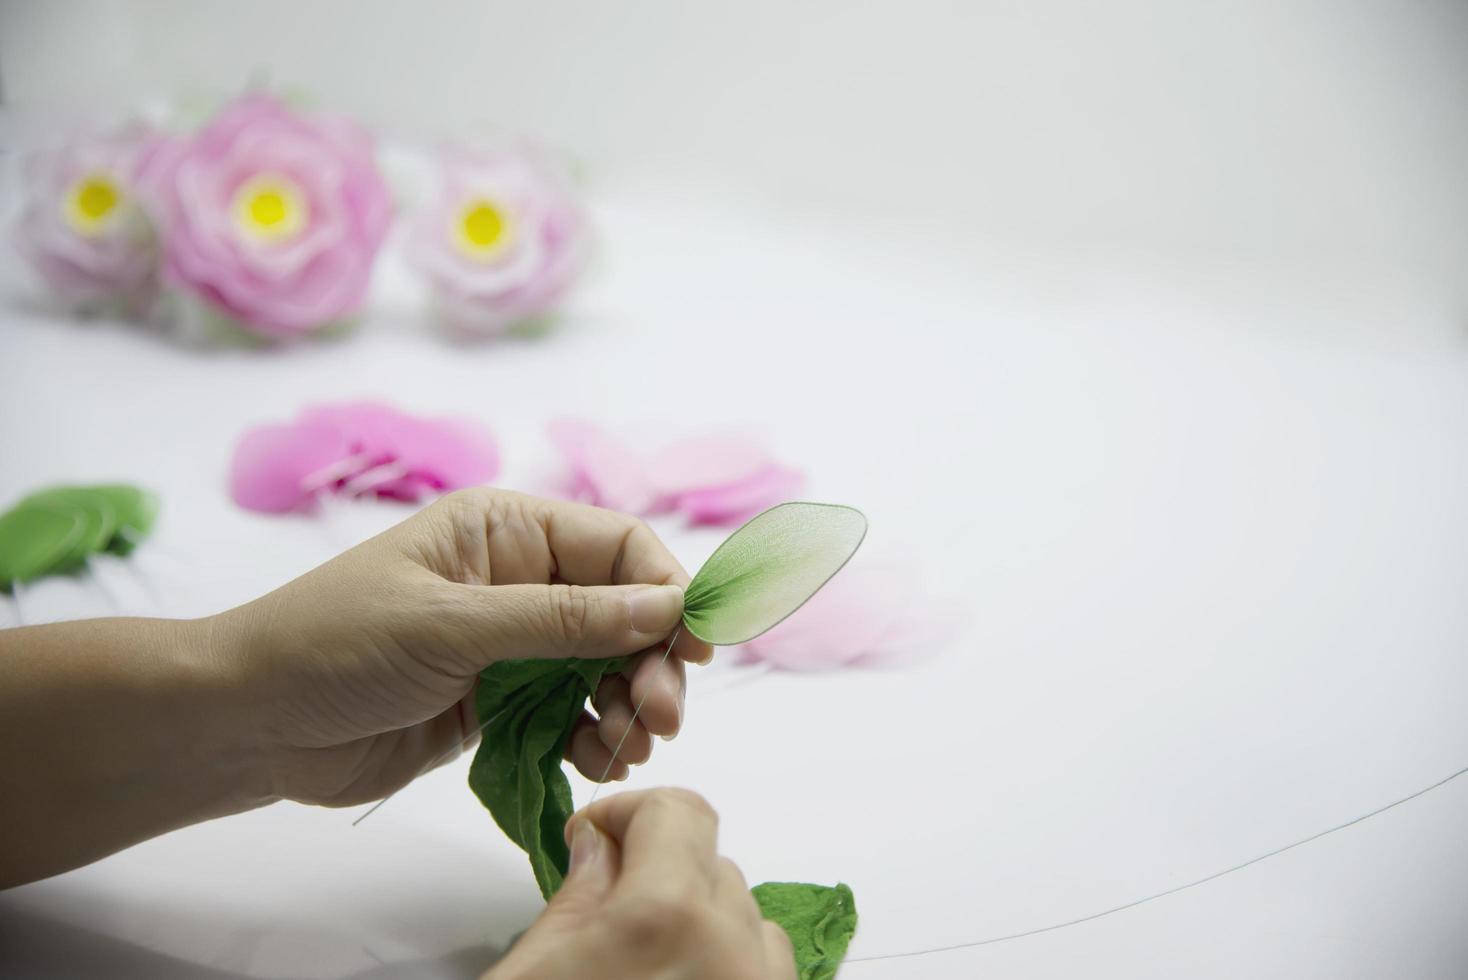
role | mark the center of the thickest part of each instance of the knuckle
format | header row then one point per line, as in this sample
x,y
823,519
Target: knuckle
x,y
570,612
687,799
662,921
730,869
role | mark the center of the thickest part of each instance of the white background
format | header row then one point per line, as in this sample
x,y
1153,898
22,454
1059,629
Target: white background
x,y
1140,324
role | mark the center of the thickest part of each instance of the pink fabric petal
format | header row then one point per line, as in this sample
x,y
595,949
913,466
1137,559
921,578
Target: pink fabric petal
x,y
736,502
271,463
604,471
866,616
444,453
704,462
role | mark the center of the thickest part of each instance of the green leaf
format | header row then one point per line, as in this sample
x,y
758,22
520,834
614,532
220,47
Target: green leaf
x,y
530,706
768,568
55,530
820,922
33,540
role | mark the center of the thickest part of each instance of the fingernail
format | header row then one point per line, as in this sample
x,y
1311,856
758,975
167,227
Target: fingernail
x,y
655,610
585,842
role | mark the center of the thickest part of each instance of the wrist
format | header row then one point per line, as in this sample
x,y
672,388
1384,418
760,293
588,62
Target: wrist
x,y
213,660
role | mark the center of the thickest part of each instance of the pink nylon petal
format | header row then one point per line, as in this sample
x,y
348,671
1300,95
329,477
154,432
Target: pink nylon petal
x,y
736,502
866,616
272,462
603,470
444,454
705,462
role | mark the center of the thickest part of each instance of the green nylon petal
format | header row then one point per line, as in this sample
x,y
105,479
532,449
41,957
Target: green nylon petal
x,y
58,528
768,568
33,539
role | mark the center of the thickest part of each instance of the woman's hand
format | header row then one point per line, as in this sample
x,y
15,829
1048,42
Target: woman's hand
x,y
649,896
362,671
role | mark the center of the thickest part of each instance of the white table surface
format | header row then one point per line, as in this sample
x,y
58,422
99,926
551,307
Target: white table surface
x,y
1211,542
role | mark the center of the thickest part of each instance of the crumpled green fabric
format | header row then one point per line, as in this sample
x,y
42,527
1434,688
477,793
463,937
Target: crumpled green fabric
x,y
820,922
530,707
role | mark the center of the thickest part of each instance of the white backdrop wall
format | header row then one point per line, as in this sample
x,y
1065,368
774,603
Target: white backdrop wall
x,y
1310,143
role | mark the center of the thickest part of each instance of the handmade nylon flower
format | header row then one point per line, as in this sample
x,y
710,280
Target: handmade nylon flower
x,y
81,226
271,217
502,241
714,479
358,449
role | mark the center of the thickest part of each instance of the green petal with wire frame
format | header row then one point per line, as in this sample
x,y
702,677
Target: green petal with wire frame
x,y
768,568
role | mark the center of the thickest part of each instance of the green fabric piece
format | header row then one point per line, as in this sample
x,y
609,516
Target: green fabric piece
x,y
530,707
55,530
820,922
768,568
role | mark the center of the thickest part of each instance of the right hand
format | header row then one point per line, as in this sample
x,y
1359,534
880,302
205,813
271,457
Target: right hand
x,y
648,896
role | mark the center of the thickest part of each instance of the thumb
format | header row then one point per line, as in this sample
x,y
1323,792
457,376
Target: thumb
x,y
501,622
594,863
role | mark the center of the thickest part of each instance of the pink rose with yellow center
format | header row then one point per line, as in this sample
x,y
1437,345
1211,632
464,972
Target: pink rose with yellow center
x,y
81,227
502,242
271,217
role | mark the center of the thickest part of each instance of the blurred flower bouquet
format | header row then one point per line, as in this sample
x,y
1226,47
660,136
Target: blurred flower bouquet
x,y
267,221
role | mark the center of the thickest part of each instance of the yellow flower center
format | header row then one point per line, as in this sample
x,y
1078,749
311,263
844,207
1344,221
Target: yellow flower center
x,y
269,208
91,202
483,229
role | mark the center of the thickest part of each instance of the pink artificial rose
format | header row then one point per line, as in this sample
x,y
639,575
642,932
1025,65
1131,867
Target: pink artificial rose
x,y
502,242
271,217
711,479
81,226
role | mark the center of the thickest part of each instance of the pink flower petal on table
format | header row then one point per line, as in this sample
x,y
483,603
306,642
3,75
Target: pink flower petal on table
x,y
705,462
604,471
271,464
865,616
446,454
738,501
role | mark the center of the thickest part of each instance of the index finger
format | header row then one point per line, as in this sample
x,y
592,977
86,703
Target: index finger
x,y
668,840
593,546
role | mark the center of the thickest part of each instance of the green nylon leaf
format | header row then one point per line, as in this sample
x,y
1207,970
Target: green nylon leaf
x,y
33,540
516,773
56,529
820,922
768,568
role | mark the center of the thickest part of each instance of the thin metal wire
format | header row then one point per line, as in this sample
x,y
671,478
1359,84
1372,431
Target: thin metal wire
x,y
434,764
635,712
1162,894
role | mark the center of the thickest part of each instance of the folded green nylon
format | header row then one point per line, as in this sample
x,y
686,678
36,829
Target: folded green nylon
x,y
761,574
530,707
